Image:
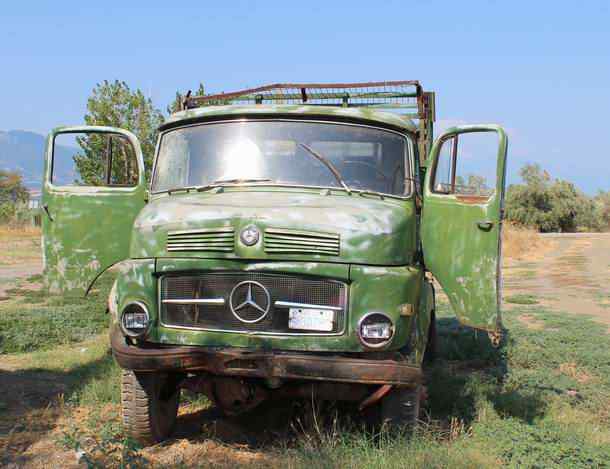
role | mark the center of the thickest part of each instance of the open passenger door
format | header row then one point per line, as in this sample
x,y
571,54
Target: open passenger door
x,y
93,188
462,220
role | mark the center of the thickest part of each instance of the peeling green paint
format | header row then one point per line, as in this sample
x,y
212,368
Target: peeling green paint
x,y
86,229
372,231
95,227
463,257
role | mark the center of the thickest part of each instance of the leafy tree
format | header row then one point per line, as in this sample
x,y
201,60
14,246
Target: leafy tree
x,y
477,184
115,104
603,201
12,194
12,190
93,157
601,210
176,104
549,204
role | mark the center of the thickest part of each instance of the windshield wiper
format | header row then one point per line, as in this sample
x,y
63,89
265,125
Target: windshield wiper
x,y
328,164
185,189
213,185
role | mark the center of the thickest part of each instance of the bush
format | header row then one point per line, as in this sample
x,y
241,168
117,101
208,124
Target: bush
x,y
7,212
554,205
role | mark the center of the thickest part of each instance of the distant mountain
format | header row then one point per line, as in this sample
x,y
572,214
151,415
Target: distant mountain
x,y
23,151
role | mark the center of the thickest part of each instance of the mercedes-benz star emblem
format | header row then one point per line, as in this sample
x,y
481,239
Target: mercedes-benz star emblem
x,y
250,235
253,300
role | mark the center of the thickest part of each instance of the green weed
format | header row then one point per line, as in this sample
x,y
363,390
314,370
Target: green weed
x,y
33,320
540,400
521,299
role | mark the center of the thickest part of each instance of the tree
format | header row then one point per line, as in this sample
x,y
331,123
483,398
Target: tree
x,y
12,190
176,104
548,204
601,210
115,104
12,193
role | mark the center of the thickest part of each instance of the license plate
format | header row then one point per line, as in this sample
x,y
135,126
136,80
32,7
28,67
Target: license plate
x,y
311,319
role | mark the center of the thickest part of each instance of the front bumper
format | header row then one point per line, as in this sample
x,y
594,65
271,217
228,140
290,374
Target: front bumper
x,y
227,361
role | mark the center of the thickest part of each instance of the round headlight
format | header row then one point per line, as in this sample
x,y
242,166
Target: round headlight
x,y
375,330
135,319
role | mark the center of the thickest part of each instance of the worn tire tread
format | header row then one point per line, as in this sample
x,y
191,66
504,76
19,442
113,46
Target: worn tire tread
x,y
140,419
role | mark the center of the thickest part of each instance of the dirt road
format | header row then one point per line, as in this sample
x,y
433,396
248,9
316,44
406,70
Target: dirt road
x,y
572,275
20,257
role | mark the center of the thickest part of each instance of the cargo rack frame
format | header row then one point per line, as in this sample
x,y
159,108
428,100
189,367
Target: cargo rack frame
x,y
407,95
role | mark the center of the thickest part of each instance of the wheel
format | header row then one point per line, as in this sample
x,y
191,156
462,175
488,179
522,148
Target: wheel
x,y
401,408
431,346
149,405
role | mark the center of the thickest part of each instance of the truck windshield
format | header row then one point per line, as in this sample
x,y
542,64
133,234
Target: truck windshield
x,y
279,152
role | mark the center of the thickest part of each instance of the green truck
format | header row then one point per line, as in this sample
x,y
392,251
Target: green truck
x,y
285,246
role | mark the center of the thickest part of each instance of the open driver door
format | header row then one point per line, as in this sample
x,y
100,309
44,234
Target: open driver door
x,y
462,221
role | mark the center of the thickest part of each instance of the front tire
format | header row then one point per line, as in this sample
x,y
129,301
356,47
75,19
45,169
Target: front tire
x,y
149,405
401,408
431,351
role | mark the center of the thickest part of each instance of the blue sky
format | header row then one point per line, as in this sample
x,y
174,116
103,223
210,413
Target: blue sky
x,y
540,68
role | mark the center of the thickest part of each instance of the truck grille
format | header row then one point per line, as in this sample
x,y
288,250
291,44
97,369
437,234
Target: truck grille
x,y
202,301
213,239
278,241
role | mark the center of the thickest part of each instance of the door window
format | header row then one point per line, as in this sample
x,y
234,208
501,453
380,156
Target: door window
x,y
466,165
93,159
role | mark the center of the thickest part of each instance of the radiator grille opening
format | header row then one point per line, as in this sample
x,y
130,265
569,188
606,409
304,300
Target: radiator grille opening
x,y
202,301
279,241
214,239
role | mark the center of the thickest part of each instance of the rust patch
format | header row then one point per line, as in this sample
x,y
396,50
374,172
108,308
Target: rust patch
x,y
263,364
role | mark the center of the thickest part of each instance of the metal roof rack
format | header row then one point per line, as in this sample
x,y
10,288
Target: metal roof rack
x,y
407,95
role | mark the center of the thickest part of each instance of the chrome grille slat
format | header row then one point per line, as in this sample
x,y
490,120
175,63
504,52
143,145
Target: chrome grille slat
x,y
301,242
204,236
214,239
286,289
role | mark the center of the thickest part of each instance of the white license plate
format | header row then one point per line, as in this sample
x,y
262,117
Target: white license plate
x,y
307,319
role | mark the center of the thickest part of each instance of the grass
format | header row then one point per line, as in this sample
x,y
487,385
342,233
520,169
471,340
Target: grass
x,y
541,400
19,245
522,299
522,242
32,320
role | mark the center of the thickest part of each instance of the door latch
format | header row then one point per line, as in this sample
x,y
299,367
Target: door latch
x,y
46,209
485,225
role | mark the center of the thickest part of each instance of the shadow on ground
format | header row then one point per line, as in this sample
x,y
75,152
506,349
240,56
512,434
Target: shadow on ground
x,y
31,401
467,370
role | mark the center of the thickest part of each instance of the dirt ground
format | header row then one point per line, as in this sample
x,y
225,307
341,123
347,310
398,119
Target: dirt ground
x,y
571,274
20,257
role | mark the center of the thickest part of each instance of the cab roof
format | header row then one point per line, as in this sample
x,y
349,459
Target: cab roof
x,y
363,115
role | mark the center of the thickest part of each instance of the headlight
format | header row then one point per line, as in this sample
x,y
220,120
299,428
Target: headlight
x,y
375,330
135,319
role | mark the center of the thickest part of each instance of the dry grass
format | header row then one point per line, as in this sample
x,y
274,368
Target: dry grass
x,y
523,243
19,245
8,231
